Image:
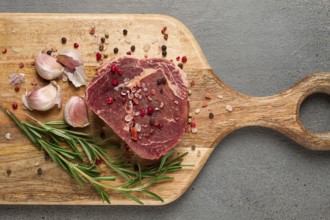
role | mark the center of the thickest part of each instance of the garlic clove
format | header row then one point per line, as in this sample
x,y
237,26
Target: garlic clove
x,y
74,68
78,77
47,67
70,59
44,98
75,112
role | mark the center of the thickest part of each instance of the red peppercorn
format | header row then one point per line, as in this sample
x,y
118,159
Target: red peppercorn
x,y
129,53
98,56
150,110
15,105
110,100
142,112
192,124
160,125
177,58
16,88
115,82
184,59
98,161
4,50
113,68
76,45
119,71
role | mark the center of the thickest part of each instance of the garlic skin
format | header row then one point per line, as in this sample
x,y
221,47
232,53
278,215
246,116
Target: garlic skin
x,y
44,98
75,112
47,67
74,66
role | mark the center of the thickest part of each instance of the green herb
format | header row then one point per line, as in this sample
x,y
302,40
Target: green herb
x,y
52,135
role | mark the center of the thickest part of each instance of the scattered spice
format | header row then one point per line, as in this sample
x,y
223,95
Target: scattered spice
x,y
164,53
164,47
184,59
16,50
164,80
150,110
105,56
152,121
132,48
177,58
142,112
189,120
7,136
92,30
102,40
165,36
113,68
229,108
76,45
119,71
4,50
21,65
159,81
47,157
220,97
15,105
49,52
160,125
39,171
197,110
190,115
192,83
17,88
189,92
208,96
194,130
205,104
110,100
129,53
115,50
8,172
63,40
180,65
106,35
101,47
193,147
161,91
98,56
125,32
102,135
192,124
115,82
134,134
211,115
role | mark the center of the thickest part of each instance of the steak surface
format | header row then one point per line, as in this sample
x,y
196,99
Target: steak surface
x,y
143,101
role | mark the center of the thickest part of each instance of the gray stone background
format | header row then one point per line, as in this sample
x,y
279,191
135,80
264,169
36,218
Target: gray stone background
x,y
259,47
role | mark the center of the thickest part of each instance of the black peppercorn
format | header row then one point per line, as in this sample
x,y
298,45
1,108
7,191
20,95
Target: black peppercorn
x,y
164,80
180,65
164,53
63,40
115,50
152,121
106,36
49,52
159,81
132,48
211,115
39,171
102,40
125,32
164,47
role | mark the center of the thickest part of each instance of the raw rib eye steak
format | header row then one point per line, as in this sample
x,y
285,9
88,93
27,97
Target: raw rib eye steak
x,y
143,101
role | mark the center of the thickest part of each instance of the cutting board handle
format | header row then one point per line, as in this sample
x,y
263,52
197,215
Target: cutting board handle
x,y
281,111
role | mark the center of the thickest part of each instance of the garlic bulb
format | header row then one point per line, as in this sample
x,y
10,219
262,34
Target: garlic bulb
x,y
75,112
74,67
47,67
44,98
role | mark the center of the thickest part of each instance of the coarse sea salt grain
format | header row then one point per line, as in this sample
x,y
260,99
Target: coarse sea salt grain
x,y
197,110
194,130
220,97
229,108
7,136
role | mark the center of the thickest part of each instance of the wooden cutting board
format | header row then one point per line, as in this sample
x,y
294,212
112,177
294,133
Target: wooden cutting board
x,y
24,35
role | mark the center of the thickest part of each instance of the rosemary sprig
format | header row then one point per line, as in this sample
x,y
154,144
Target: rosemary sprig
x,y
67,159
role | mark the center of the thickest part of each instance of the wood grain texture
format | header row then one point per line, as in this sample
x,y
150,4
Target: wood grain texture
x,y
31,32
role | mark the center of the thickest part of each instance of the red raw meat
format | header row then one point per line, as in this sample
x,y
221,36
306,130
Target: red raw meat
x,y
149,106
